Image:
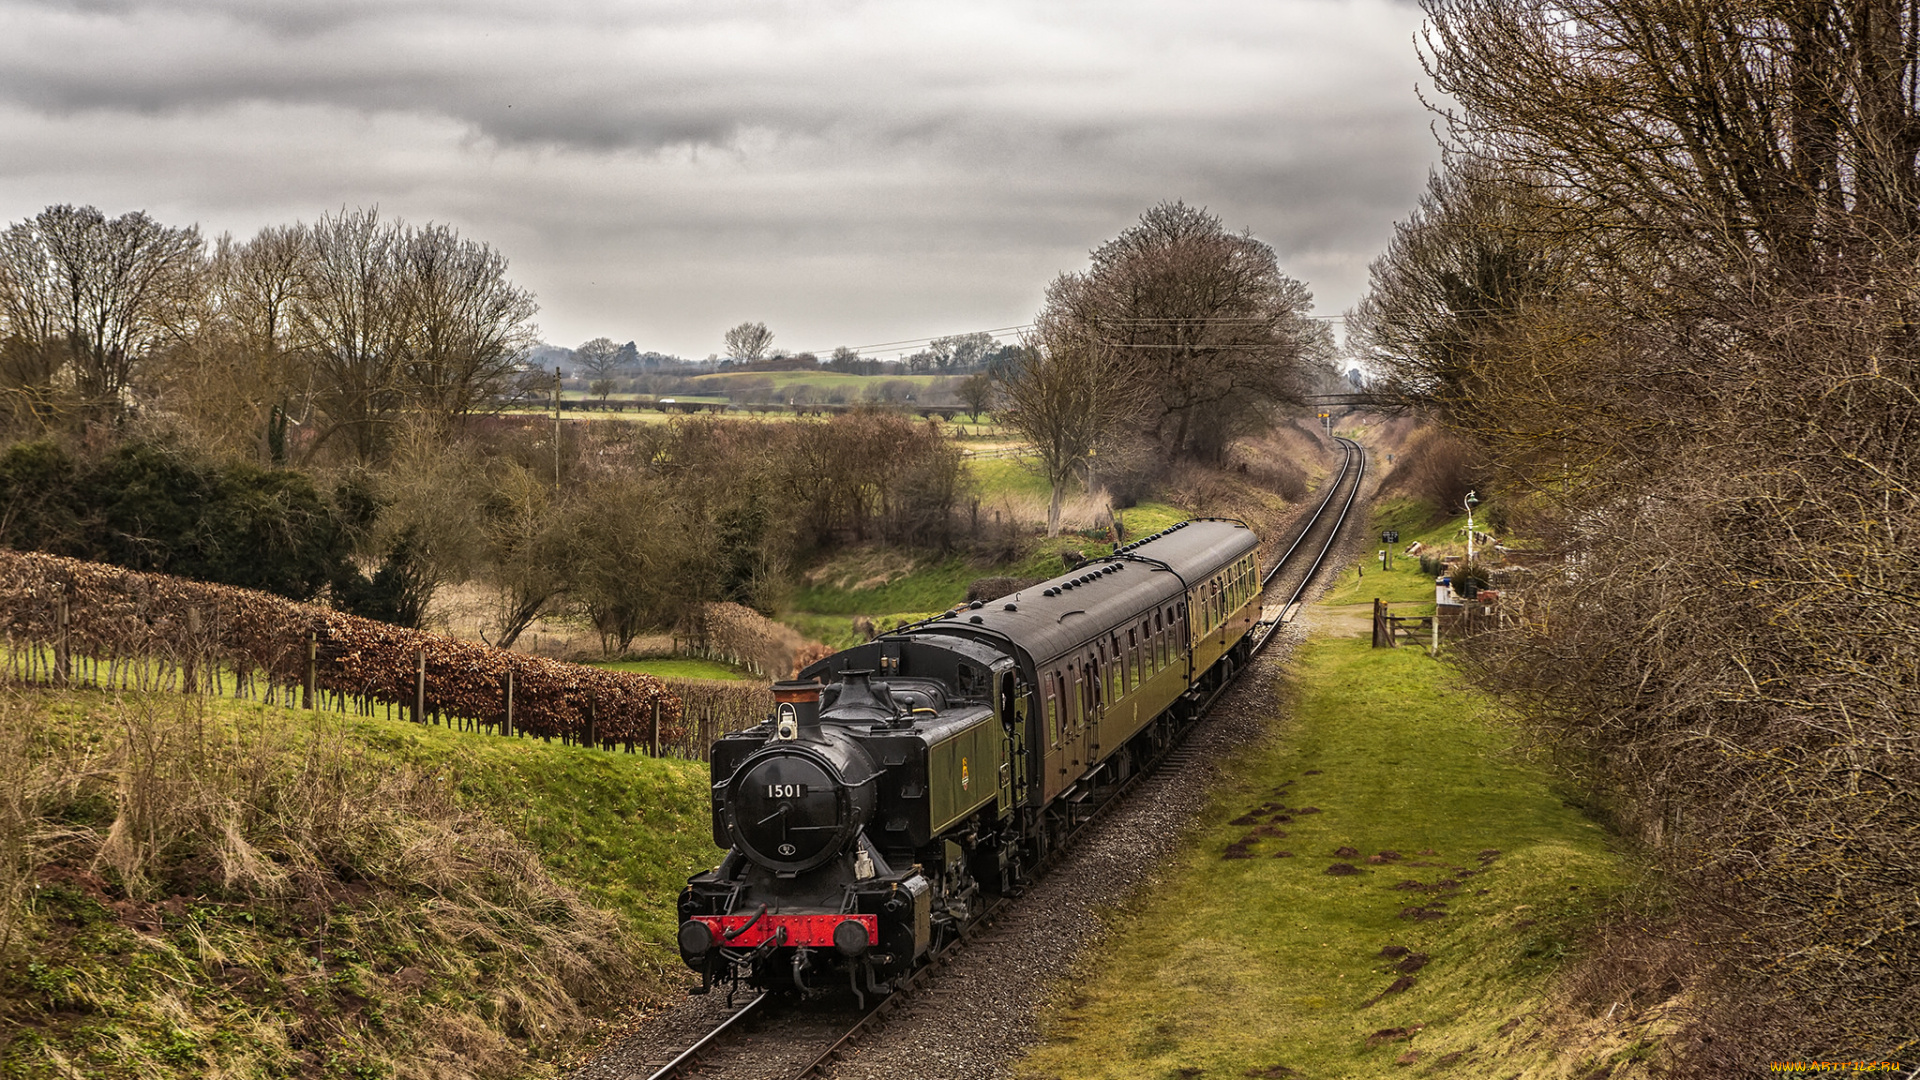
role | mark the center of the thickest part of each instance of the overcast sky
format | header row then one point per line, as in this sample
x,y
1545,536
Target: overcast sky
x,y
848,171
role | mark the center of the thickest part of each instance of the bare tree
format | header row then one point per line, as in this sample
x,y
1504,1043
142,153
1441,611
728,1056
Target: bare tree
x,y
960,352
1218,332
1729,653
598,359
467,326
396,321
530,549
748,342
229,385
351,324
1064,398
634,550
976,392
95,297
1480,312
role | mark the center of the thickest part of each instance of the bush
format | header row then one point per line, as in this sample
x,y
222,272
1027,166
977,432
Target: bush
x,y
1439,468
150,507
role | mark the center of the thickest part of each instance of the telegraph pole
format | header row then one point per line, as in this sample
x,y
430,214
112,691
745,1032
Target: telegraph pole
x,y
556,429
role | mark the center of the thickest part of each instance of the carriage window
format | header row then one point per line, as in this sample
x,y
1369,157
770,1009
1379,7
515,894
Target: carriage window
x,y
1119,671
1133,656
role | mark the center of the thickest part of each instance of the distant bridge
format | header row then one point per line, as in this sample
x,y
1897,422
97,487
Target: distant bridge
x,y
1357,400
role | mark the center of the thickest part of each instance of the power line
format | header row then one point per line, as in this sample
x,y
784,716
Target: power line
x,y
905,343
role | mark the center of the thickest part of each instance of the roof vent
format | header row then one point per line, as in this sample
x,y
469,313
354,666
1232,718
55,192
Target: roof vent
x,y
1011,607
975,619
977,605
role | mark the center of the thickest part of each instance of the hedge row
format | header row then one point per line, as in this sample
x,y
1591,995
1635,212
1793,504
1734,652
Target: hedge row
x,y
149,627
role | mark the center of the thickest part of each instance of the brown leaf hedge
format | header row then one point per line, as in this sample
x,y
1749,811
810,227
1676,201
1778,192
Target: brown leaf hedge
x,y
124,628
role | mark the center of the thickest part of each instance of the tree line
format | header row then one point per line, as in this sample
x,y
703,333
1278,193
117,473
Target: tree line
x,y
641,524
326,338
1668,283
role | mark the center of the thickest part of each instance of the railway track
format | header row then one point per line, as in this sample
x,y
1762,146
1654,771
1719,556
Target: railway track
x,y
762,1017
1316,537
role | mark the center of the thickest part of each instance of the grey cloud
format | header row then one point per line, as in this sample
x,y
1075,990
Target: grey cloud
x,y
911,156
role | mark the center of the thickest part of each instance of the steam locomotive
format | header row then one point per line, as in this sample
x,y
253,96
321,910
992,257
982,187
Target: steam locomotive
x,y
901,782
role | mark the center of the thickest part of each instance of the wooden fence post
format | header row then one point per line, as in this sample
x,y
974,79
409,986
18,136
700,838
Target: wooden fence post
x,y
187,681
62,651
307,678
420,689
507,729
593,736
653,738
1382,629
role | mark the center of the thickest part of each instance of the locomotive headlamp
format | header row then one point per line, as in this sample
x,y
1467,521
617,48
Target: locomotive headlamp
x,y
696,938
797,709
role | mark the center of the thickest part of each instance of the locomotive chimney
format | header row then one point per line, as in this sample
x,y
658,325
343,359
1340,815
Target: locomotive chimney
x,y
796,710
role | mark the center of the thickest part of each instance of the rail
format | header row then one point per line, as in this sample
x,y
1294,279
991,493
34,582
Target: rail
x,y
1355,462
692,1053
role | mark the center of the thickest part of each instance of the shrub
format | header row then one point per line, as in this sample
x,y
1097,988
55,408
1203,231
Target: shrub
x,y
150,507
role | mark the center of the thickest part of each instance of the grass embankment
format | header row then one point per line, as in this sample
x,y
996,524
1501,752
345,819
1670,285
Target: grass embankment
x,y
1385,883
1406,586
206,887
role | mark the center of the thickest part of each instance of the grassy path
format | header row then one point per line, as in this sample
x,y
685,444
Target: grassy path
x,y
1386,884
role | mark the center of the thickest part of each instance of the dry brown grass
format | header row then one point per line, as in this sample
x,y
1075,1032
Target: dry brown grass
x,y
184,893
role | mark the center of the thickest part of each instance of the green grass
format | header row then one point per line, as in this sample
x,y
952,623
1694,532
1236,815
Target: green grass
x,y
307,893
1405,585
625,829
1243,967
997,477
824,380
891,587
860,590
678,667
1145,518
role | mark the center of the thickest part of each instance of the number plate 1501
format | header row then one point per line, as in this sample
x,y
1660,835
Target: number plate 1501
x,y
786,791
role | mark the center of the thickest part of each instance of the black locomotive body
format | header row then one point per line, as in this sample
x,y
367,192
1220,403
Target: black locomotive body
x,y
902,780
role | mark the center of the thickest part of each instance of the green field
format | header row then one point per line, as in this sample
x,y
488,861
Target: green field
x,y
995,477
679,667
890,588
1468,883
824,380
